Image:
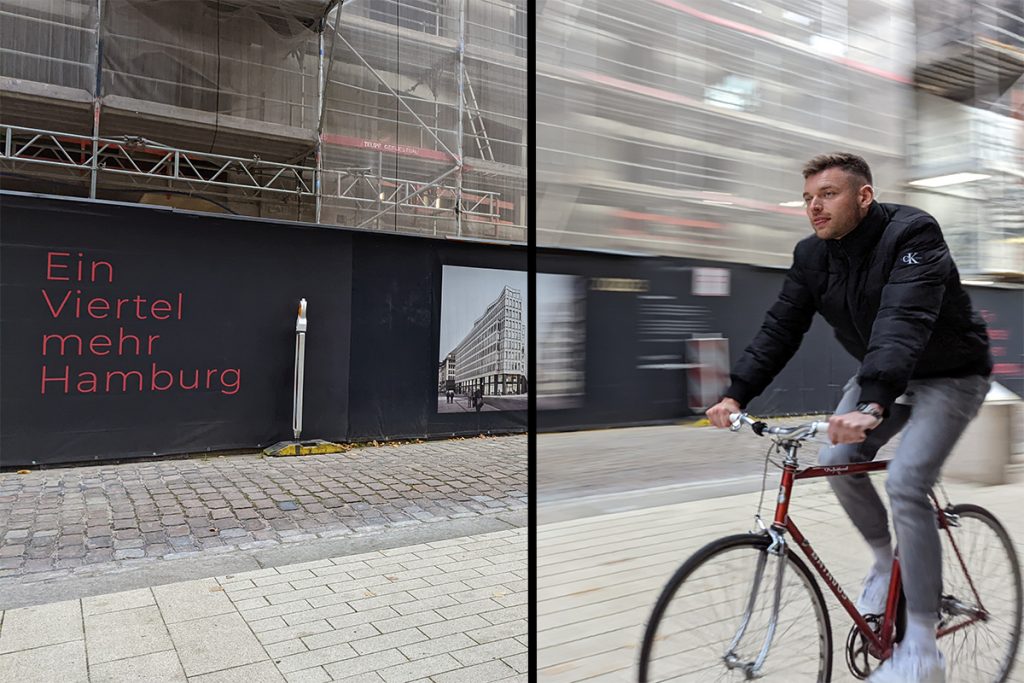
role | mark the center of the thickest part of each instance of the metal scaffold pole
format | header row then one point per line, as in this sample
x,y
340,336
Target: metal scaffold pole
x,y
97,92
462,114
324,77
318,182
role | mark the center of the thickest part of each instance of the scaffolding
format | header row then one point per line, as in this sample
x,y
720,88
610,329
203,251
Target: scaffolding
x,y
400,116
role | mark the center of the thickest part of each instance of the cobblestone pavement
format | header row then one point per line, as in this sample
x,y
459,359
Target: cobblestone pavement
x,y
73,519
439,612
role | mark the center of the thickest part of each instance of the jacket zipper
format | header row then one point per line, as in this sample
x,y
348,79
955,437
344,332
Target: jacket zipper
x,y
849,300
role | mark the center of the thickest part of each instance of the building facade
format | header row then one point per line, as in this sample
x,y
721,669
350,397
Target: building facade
x,y
446,373
399,115
492,356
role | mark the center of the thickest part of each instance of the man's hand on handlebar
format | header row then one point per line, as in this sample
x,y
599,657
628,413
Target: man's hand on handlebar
x,y
851,427
719,413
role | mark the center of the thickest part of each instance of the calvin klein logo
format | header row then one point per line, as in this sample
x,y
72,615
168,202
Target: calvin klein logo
x,y
911,258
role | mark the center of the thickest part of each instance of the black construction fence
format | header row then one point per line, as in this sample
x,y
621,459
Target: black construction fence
x,y
130,331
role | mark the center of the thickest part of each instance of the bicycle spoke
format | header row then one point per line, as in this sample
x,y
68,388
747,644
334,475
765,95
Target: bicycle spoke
x,y
982,651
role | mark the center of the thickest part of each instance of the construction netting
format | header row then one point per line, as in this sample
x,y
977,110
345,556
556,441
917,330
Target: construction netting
x,y
52,48
404,116
402,99
237,60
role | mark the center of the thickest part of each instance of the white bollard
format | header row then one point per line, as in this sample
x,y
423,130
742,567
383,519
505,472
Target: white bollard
x,y
300,366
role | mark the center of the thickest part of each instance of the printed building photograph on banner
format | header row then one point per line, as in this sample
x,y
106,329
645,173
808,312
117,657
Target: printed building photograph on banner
x,y
482,363
561,338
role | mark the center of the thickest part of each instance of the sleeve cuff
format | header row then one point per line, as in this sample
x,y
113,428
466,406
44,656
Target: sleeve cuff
x,y
740,392
873,391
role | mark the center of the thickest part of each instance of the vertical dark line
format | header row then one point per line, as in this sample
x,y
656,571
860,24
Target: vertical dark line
x,y
531,250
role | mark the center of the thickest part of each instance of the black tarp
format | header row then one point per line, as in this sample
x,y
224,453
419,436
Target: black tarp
x,y
232,289
374,310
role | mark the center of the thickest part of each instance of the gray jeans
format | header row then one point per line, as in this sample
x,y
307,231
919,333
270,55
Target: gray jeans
x,y
933,414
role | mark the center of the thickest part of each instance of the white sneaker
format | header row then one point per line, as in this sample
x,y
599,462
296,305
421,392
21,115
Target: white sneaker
x,y
874,593
911,665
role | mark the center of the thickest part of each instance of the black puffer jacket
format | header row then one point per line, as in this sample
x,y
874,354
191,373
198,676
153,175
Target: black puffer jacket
x,y
891,292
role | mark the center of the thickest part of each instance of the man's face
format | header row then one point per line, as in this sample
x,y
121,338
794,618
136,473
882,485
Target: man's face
x,y
836,201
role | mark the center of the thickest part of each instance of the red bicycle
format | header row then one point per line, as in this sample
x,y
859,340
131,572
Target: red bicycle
x,y
747,607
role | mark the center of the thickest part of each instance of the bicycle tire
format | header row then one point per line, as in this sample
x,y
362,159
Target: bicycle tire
x,y
995,591
755,545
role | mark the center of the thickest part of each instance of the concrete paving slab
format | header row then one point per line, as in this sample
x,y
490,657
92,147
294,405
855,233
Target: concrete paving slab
x,y
420,668
192,600
369,664
115,602
61,662
127,633
260,672
159,666
32,627
211,644
489,671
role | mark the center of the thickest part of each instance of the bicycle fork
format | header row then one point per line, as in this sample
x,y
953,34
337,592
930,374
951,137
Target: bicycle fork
x,y
778,549
731,659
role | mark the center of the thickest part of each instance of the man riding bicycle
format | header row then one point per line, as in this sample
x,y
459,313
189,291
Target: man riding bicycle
x,y
881,275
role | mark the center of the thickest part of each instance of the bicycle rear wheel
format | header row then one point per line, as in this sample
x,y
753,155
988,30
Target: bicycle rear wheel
x,y
712,619
983,651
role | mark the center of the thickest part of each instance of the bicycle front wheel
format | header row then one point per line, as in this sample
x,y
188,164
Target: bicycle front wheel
x,y
980,572
716,619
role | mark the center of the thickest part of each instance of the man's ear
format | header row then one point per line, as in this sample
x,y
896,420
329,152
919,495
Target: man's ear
x,y
865,195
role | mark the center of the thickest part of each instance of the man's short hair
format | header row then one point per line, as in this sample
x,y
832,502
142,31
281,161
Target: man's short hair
x,y
851,163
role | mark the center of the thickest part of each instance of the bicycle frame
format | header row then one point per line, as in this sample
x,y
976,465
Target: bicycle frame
x,y
881,642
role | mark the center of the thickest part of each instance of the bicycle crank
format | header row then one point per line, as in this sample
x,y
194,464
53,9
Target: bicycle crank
x,y
858,649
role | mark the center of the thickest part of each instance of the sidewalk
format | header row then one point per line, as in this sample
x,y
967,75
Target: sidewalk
x,y
599,576
443,611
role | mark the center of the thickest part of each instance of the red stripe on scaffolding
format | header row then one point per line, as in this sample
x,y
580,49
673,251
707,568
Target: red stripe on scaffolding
x,y
388,147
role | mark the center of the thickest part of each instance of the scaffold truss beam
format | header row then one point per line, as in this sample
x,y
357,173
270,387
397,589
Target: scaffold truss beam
x,y
142,159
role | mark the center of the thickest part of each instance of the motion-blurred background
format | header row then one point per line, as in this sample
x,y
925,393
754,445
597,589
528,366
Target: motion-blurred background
x,y
678,127
676,130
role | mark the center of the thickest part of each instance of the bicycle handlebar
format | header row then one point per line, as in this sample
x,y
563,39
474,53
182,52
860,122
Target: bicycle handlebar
x,y
798,433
